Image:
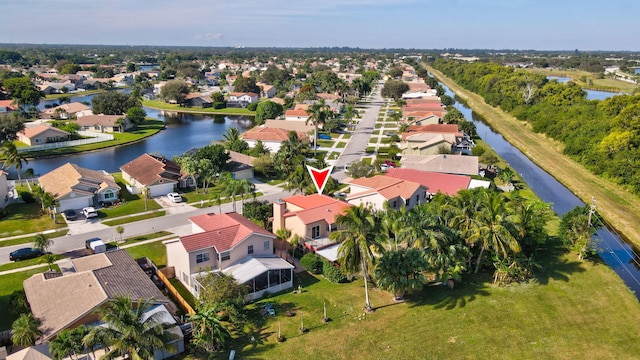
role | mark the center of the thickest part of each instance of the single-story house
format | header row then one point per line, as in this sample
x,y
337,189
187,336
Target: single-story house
x,y
70,298
204,101
272,138
443,163
66,111
42,134
231,244
104,123
158,174
75,187
427,144
435,182
7,106
296,114
384,191
241,165
243,97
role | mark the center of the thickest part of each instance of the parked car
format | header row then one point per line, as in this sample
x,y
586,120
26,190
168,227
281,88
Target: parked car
x,y
324,137
25,253
89,212
174,197
70,214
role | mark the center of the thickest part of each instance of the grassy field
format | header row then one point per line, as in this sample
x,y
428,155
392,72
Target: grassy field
x,y
26,218
574,310
150,127
8,284
158,104
606,84
618,206
154,250
30,239
133,218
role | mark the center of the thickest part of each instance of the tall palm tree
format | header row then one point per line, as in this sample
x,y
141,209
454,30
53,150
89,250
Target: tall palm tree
x,y
230,137
41,242
24,331
230,187
319,113
357,235
209,334
246,187
13,158
491,227
128,333
68,343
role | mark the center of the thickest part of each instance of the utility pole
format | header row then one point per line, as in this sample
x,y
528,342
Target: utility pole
x,y
593,208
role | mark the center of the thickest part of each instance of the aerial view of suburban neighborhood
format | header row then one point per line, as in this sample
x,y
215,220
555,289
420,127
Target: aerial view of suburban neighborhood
x,y
340,180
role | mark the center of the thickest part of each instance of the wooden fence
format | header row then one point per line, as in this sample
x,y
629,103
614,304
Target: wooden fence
x,y
172,290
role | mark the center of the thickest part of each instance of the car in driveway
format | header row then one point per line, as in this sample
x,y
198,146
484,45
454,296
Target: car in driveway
x,y
89,212
174,197
324,137
24,254
70,214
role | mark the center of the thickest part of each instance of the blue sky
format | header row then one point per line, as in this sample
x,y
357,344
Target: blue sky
x,y
424,24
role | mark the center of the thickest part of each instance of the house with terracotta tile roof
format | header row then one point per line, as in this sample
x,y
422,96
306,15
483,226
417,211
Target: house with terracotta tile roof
x,y
382,192
271,137
104,123
71,297
296,115
75,187
231,244
435,182
423,117
158,174
7,106
311,217
42,134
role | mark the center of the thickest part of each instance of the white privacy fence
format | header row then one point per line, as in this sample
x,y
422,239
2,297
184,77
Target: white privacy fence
x,y
93,137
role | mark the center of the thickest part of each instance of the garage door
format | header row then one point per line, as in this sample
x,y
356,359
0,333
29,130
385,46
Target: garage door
x,y
160,189
75,203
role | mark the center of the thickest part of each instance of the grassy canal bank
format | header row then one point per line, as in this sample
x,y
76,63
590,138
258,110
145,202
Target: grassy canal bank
x,y
619,207
161,105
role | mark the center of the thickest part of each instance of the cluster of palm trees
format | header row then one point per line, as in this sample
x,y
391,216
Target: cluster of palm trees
x,y
445,237
232,188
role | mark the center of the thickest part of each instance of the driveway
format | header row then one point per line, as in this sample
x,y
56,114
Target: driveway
x,y
173,208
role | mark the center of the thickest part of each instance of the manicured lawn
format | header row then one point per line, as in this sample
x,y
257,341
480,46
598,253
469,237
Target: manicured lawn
x,y
129,219
132,204
341,145
158,104
8,284
82,93
30,239
136,239
150,127
346,136
24,263
378,126
26,218
325,143
155,251
334,155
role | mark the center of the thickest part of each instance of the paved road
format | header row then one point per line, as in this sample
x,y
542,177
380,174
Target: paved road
x,y
356,148
177,223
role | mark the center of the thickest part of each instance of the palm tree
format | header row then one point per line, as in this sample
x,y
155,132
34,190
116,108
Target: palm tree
x,y
401,271
284,234
491,227
68,343
145,196
349,113
358,244
41,242
245,186
129,333
13,158
319,113
24,331
209,334
50,259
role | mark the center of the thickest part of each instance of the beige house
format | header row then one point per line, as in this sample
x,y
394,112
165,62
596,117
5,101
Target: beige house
x,y
241,165
75,187
428,144
70,298
66,111
445,163
158,174
4,189
383,191
104,123
42,134
271,138
234,245
311,217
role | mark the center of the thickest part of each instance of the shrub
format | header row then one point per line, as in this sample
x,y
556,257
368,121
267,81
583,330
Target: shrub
x,y
253,106
219,105
18,303
27,197
333,273
3,213
312,263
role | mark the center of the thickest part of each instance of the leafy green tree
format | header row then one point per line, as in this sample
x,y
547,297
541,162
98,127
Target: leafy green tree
x,y
395,72
209,334
12,158
23,91
246,84
360,168
268,110
128,333
233,141
136,115
113,103
259,149
175,90
69,68
41,242
401,272
357,235
394,89
576,231
258,210
222,292
25,331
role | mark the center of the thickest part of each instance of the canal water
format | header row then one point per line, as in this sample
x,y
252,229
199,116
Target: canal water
x,y
591,94
622,257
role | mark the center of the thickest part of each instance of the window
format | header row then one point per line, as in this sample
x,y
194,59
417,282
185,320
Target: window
x,y
38,140
109,194
406,203
250,249
185,278
202,257
315,232
417,198
395,204
225,256
267,245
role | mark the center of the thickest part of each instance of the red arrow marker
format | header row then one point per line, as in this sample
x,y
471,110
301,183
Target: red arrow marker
x,y
319,177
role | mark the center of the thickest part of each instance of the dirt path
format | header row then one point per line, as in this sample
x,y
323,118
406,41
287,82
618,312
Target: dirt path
x,y
618,206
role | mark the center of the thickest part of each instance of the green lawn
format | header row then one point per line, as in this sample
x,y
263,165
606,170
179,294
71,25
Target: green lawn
x,y
83,93
155,251
333,156
25,263
346,136
133,218
26,218
325,143
186,294
159,104
29,239
150,127
132,204
136,239
341,145
378,125
8,284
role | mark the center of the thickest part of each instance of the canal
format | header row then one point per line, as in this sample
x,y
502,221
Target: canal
x,y
622,257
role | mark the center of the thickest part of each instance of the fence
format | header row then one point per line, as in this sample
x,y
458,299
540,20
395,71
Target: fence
x,y
172,290
93,138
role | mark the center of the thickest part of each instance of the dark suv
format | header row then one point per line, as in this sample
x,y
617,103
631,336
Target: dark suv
x,y
24,253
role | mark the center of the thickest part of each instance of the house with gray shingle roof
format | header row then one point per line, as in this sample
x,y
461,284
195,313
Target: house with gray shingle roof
x,y
231,244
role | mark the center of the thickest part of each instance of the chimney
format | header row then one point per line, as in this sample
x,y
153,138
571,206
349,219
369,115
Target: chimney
x,y
279,208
